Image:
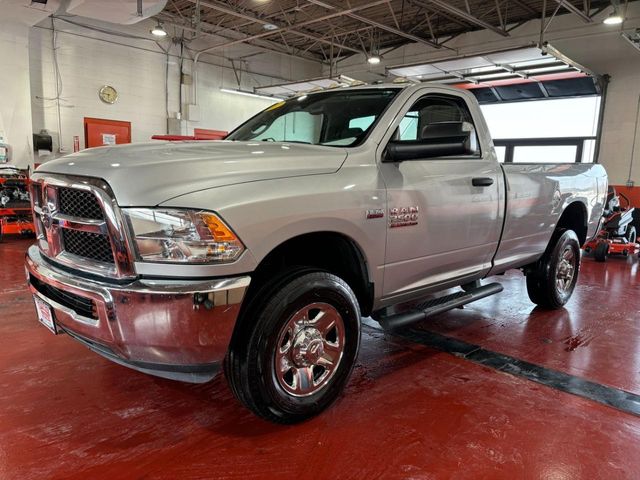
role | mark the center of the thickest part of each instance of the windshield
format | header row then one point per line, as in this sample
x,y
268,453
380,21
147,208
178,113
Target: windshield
x,y
336,118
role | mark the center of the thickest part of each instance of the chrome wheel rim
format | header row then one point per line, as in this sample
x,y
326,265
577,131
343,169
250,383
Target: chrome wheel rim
x,y
565,271
309,349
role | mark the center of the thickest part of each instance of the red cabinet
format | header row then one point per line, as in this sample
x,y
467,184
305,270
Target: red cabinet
x,y
99,132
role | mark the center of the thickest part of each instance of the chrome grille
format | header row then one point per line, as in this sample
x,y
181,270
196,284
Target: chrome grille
x,y
80,226
79,203
89,245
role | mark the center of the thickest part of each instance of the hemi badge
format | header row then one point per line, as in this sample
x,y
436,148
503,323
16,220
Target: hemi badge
x,y
377,213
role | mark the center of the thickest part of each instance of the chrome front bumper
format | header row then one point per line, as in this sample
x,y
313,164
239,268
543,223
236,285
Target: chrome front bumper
x,y
174,329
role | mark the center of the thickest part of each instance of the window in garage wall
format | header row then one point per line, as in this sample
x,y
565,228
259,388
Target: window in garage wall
x,y
568,118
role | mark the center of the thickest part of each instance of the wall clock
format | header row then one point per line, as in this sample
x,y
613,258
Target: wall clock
x,y
108,94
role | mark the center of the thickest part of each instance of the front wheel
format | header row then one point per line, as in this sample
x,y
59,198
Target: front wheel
x,y
296,347
552,281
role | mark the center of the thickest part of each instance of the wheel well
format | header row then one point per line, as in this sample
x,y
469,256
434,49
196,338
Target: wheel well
x,y
330,251
574,218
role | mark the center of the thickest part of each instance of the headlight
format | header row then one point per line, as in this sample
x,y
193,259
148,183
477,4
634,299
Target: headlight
x,y
184,236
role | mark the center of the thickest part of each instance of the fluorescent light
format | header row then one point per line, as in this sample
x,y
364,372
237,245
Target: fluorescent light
x,y
613,19
346,79
248,94
159,30
374,59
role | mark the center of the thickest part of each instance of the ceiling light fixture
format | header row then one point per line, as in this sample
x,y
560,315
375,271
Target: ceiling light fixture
x,y
249,94
614,19
374,59
159,30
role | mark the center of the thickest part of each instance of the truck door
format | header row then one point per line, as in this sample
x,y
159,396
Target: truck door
x,y
444,212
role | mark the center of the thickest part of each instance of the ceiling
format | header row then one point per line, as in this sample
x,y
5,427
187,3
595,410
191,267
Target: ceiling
x,y
328,30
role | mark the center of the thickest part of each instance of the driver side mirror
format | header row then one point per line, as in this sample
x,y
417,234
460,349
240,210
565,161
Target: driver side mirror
x,y
442,139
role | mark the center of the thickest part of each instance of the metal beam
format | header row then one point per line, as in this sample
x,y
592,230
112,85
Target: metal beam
x,y
526,7
269,16
462,14
573,9
255,19
381,26
267,46
296,25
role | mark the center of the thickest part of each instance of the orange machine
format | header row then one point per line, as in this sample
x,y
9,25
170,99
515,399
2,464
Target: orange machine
x,y
15,205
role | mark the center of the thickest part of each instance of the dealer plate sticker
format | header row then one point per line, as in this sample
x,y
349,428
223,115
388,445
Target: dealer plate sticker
x,y
45,315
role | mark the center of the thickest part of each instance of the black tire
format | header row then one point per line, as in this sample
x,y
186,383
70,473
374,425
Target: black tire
x,y
534,290
601,252
631,235
256,348
560,265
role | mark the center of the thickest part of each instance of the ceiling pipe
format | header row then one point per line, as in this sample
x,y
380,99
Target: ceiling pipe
x,y
462,14
228,11
381,26
573,9
272,32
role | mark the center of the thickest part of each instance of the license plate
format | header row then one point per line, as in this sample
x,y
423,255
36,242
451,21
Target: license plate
x,y
45,315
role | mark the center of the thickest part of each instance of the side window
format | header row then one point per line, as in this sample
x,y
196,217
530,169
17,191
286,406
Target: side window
x,y
436,117
408,129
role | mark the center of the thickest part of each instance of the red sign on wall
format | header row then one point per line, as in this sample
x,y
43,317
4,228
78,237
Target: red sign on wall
x,y
99,132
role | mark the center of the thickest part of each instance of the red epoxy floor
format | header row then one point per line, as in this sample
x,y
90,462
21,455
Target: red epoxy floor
x,y
409,411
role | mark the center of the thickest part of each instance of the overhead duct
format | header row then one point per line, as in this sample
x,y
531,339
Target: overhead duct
x,y
26,12
124,12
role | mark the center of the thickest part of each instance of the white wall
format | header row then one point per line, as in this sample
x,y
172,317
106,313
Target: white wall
x,y
16,16
221,110
15,102
85,65
88,60
596,46
225,111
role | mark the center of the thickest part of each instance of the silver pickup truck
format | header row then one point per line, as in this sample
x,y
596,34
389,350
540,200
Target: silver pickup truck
x,y
261,253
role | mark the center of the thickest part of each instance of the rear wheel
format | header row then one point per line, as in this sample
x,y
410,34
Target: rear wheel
x,y
296,347
601,252
552,281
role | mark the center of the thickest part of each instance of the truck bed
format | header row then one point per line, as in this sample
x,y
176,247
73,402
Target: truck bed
x,y
529,223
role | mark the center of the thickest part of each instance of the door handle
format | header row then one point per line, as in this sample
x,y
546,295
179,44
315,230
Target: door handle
x,y
482,182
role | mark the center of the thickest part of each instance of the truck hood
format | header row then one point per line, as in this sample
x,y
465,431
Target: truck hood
x,y
147,174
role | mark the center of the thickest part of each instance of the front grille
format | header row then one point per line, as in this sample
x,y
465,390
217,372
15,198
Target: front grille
x,y
89,245
75,220
79,203
84,307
